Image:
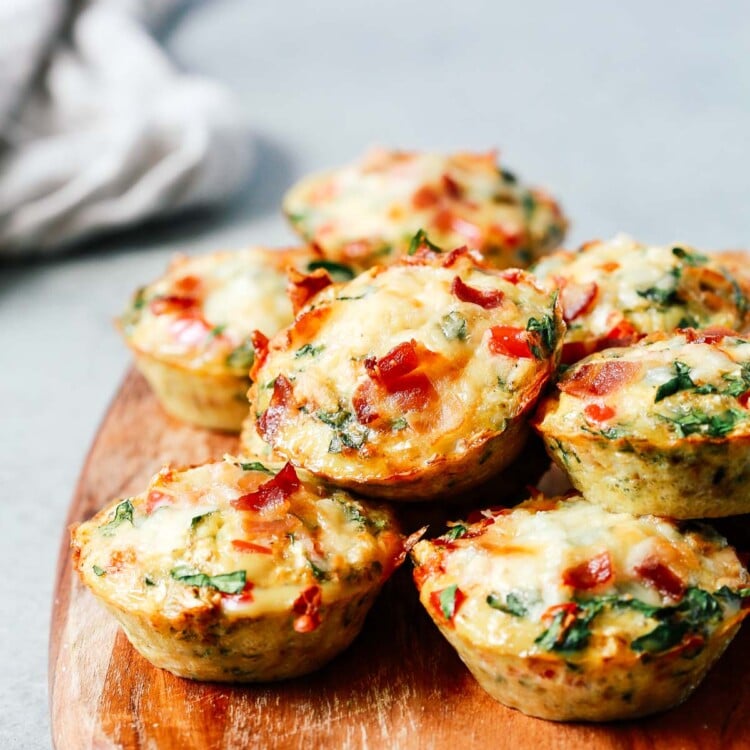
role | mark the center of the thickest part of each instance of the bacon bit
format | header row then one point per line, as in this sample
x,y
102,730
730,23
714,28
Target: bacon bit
x,y
623,334
466,229
188,284
450,259
156,500
743,399
260,347
425,197
656,574
362,401
487,299
413,392
609,266
269,422
570,609
256,526
443,220
172,303
400,361
271,494
510,342
120,559
589,574
599,378
307,606
244,546
711,335
513,275
451,187
303,287
510,237
577,299
189,330
573,351
599,413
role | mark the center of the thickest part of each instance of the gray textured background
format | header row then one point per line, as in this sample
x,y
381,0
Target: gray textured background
x,y
635,114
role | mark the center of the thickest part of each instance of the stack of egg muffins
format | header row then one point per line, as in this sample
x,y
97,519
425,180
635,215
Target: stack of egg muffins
x,y
404,355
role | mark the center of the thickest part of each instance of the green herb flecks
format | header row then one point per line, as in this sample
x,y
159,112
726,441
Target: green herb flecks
x,y
680,382
98,571
690,259
663,297
448,601
514,604
564,634
454,532
255,466
528,205
688,321
227,583
308,350
347,431
242,357
420,239
697,422
337,271
453,325
123,514
545,329
216,331
196,521
318,573
399,424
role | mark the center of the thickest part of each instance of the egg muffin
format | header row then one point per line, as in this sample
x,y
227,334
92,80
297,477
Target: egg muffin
x,y
238,571
659,427
567,611
369,211
411,381
194,331
614,293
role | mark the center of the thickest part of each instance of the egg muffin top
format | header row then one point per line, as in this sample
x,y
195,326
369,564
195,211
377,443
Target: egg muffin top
x,y
615,292
235,538
562,578
406,365
367,212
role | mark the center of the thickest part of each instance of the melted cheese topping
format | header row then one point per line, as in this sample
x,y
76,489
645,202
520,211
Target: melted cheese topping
x,y
662,390
341,419
201,313
624,289
372,208
528,554
186,523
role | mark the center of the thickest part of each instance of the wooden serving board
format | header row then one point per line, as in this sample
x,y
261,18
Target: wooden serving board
x,y
398,686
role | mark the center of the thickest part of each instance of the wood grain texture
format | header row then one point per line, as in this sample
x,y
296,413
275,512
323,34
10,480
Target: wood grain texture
x,y
398,686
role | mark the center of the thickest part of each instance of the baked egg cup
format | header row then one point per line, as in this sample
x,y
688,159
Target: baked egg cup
x,y
238,570
567,611
660,427
412,381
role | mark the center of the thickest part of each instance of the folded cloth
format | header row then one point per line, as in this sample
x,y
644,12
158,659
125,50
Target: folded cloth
x,y
99,129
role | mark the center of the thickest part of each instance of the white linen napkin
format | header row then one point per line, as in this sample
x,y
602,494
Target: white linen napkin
x,y
99,129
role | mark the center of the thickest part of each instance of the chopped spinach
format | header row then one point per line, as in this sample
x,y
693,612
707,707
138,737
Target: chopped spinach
x,y
337,271
242,357
513,605
454,532
399,424
664,636
97,570
453,326
507,176
123,513
318,572
216,331
690,259
680,382
255,466
544,327
347,431
688,321
195,521
227,583
663,297
528,204
308,350
712,425
448,601
736,386
420,239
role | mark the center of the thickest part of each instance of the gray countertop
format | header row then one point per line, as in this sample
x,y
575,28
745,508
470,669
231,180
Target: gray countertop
x,y
635,114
